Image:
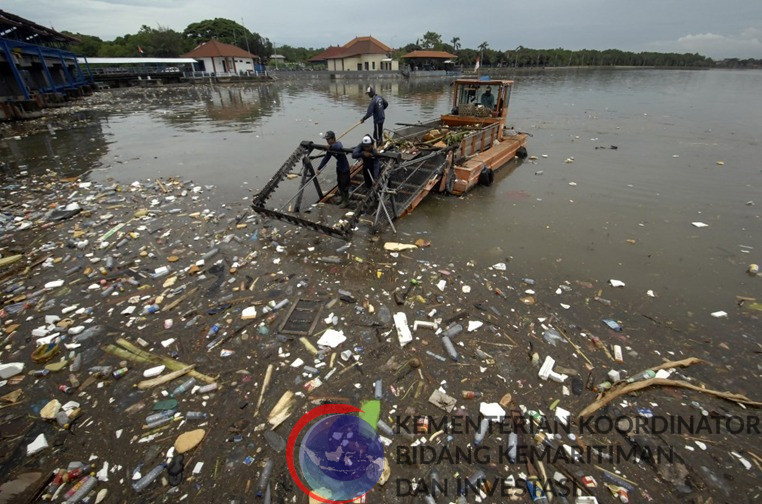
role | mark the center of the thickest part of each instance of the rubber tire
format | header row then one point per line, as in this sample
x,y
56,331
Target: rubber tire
x,y
486,176
450,184
522,153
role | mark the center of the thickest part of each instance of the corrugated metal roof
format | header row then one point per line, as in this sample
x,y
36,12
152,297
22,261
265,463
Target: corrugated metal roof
x,y
136,61
430,55
18,28
215,48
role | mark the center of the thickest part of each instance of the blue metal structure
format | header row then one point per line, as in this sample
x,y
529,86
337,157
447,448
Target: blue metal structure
x,y
35,71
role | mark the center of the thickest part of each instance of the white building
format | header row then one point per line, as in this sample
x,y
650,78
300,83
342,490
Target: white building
x,y
223,59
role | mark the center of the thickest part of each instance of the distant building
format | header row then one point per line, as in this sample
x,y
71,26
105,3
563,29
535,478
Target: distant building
x,y
34,72
430,60
330,53
359,54
223,59
278,60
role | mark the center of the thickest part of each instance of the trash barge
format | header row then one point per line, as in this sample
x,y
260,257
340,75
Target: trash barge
x,y
451,154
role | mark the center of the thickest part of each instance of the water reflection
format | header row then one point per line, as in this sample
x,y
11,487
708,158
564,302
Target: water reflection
x,y
69,149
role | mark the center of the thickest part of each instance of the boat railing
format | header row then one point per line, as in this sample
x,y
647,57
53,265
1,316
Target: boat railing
x,y
478,141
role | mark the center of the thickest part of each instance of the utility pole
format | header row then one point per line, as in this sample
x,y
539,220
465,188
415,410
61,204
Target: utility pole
x,y
245,36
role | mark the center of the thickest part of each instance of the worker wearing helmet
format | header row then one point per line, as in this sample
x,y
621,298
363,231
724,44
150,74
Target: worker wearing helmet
x,y
370,163
376,109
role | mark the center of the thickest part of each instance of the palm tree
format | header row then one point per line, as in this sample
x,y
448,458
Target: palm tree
x,y
455,43
483,46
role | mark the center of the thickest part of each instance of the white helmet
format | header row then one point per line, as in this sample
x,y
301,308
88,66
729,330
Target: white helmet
x,y
367,140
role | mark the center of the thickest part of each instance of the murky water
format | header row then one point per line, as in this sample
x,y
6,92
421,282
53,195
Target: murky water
x,y
621,213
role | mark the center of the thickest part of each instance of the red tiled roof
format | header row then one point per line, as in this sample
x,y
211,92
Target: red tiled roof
x,y
215,48
330,53
361,45
430,54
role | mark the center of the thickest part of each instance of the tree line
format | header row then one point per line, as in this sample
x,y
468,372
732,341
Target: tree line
x,y
168,43
162,42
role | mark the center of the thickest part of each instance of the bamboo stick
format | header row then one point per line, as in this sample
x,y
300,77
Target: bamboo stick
x,y
159,380
265,383
132,352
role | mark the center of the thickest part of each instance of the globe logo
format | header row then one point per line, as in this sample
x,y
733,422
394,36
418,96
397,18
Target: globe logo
x,y
341,457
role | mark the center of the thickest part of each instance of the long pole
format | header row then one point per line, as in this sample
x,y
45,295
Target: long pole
x,y
245,36
350,129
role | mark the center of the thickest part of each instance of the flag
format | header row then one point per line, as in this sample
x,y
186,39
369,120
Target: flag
x,y
476,66
140,50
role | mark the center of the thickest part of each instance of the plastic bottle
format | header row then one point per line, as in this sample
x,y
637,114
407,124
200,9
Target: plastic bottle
x,y
196,415
151,309
64,419
453,330
158,423
471,394
385,428
191,322
212,331
146,480
82,488
186,385
476,479
264,477
158,416
513,443
57,480
211,254
207,388
311,370
450,348
645,375
76,364
436,356
481,432
379,389
74,473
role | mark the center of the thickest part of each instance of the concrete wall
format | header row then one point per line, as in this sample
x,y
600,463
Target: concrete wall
x,y
366,62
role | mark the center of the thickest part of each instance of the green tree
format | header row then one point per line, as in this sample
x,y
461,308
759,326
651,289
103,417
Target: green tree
x,y
431,40
455,44
229,32
88,45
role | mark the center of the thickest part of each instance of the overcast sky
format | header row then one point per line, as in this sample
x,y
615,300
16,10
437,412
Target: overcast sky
x,y
714,28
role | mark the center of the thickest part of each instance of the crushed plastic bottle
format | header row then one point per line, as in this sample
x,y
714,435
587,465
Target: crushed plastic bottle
x,y
453,330
186,385
613,325
481,432
264,477
513,443
146,480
